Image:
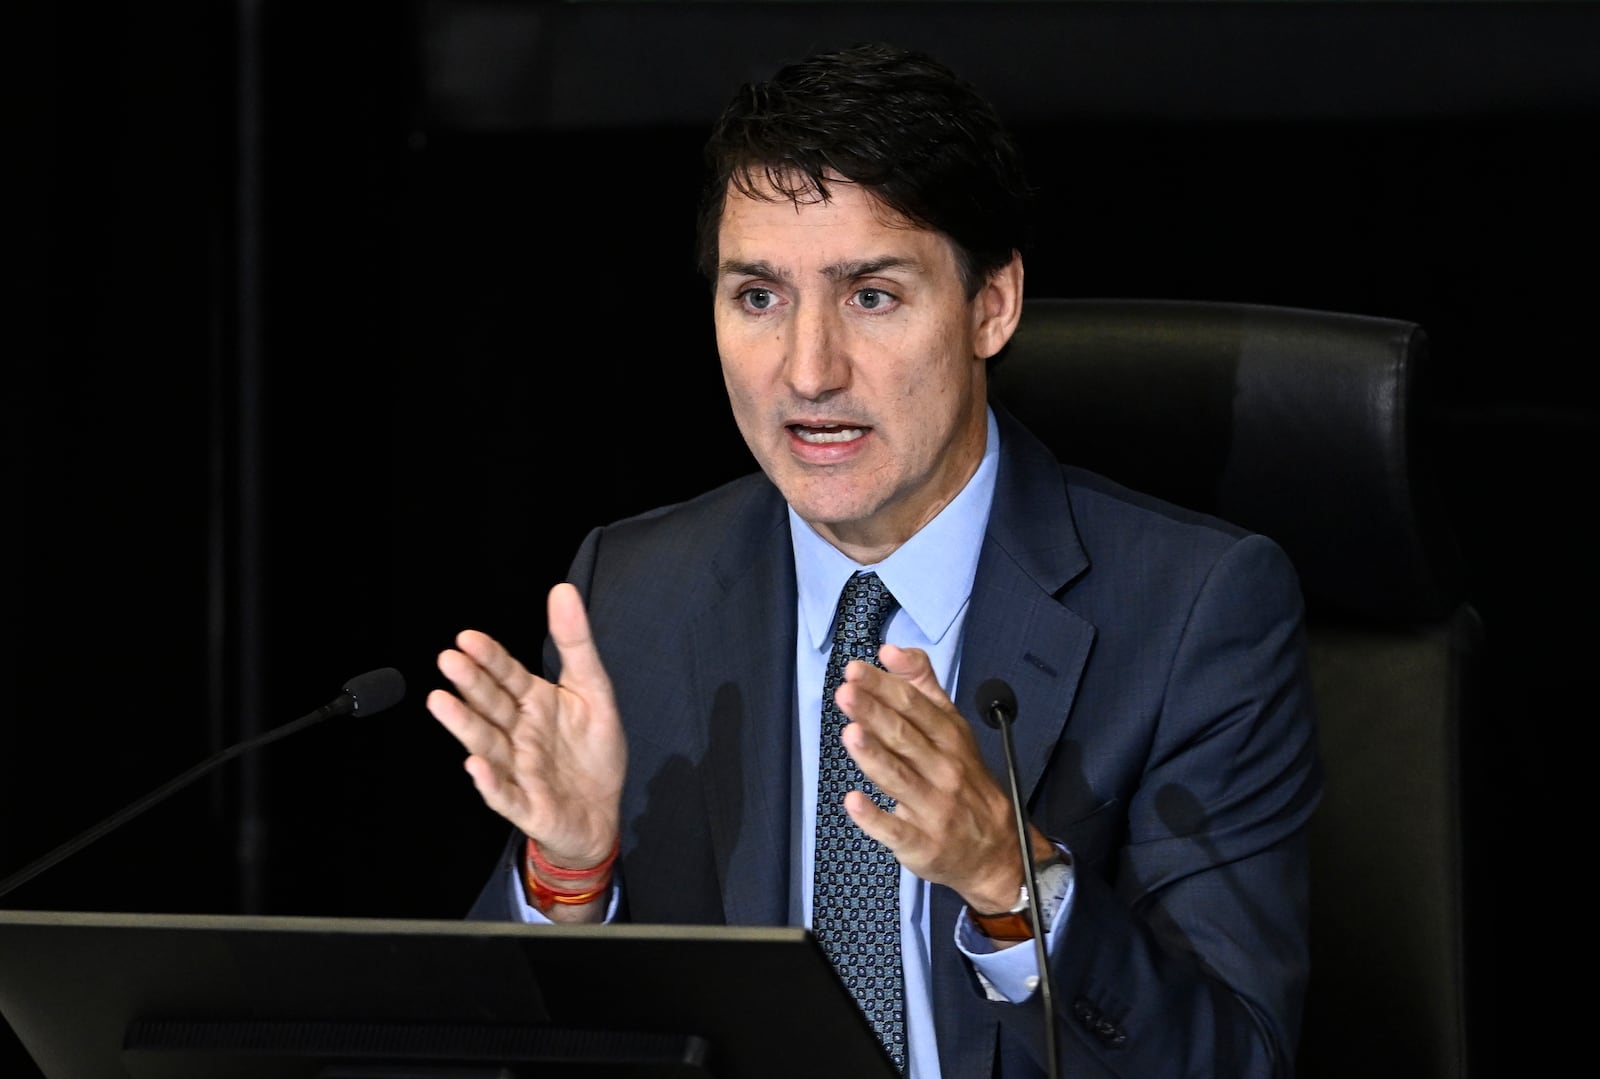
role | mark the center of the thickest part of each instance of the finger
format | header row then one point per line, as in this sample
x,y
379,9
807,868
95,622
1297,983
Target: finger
x,y
895,766
875,821
486,715
476,734
487,748
902,839
499,791
493,660
896,712
954,831
915,747
479,689
581,668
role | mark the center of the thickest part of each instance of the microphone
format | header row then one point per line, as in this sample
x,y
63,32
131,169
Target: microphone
x,y
364,695
997,704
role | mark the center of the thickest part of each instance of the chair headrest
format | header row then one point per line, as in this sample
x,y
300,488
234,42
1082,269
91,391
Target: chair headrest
x,y
1299,424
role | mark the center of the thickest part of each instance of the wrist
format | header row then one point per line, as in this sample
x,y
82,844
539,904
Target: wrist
x,y
548,886
997,891
1016,923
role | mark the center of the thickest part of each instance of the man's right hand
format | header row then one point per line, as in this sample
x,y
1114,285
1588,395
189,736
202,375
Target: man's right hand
x,y
548,757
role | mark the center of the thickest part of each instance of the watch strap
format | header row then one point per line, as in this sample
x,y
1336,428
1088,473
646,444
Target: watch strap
x,y
1016,924
1010,925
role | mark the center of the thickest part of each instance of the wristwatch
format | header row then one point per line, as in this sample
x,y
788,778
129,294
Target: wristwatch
x,y
1015,924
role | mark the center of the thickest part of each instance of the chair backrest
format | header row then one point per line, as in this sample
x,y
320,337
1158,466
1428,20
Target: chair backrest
x,y
1309,426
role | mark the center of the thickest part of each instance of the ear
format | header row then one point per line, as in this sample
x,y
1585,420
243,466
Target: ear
x,y
998,308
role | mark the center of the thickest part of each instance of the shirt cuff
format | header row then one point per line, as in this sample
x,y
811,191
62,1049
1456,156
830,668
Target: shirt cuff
x,y
1011,975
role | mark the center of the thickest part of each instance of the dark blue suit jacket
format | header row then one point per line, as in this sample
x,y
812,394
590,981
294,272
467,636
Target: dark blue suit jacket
x,y
1164,734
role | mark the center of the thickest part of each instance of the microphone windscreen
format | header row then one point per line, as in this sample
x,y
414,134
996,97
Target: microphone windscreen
x,y
376,690
995,698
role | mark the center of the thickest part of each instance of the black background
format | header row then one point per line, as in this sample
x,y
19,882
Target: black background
x,y
341,324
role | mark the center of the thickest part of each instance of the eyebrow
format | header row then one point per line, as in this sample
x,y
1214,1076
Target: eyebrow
x,y
838,271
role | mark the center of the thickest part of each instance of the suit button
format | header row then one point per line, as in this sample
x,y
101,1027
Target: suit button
x,y
1098,1024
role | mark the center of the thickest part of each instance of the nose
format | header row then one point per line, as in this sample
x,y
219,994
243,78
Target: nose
x,y
817,363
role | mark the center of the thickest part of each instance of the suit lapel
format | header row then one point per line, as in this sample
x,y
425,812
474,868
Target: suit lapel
x,y
1017,630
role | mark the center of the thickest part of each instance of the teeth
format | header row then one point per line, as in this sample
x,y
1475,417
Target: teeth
x,y
817,436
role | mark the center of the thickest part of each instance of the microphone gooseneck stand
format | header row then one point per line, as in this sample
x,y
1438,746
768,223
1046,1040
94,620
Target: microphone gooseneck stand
x,y
365,694
998,705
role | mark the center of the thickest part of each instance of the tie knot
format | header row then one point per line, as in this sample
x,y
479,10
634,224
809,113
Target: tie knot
x,y
865,605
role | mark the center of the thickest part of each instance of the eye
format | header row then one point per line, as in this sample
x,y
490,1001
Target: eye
x,y
757,299
873,299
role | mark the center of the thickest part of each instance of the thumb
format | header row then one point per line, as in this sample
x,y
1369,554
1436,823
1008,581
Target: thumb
x,y
913,666
581,669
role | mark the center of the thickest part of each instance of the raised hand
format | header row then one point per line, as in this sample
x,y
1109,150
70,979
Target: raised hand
x,y
548,757
952,823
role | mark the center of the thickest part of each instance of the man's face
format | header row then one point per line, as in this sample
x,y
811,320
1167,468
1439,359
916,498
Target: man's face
x,y
854,361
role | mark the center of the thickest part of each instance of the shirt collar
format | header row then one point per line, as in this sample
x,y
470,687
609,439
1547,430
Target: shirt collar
x,y
930,574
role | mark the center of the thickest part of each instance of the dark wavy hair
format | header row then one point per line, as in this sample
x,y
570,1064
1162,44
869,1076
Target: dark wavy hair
x,y
894,120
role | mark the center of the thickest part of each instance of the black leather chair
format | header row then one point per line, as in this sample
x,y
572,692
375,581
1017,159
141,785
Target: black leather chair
x,y
1308,426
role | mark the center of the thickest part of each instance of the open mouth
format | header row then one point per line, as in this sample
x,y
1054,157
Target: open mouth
x,y
818,436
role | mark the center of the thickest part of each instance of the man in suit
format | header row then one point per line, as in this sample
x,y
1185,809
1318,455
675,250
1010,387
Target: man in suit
x,y
863,231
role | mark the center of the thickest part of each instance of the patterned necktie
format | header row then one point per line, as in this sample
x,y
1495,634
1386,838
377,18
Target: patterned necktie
x,y
855,907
